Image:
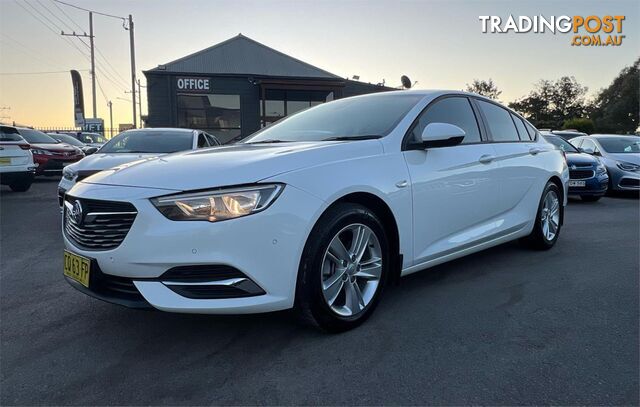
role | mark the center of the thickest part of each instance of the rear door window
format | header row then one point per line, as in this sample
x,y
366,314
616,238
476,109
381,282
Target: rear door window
x,y
202,141
499,122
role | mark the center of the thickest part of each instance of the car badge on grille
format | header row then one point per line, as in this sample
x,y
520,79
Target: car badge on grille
x,y
76,213
573,166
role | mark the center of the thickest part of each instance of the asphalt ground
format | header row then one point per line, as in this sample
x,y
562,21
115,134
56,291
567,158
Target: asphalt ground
x,y
507,326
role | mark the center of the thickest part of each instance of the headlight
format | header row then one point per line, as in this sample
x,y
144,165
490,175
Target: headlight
x,y
601,169
219,204
69,174
625,166
41,152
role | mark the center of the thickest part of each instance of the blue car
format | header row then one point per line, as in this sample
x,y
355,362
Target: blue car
x,y
588,177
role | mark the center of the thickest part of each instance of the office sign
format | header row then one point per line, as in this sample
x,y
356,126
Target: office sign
x,y
202,85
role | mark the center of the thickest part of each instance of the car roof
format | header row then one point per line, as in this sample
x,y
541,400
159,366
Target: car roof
x,y
612,135
147,129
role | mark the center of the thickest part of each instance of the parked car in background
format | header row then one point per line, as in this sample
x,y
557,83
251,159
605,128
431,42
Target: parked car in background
x,y
317,211
72,141
588,177
133,145
17,168
568,134
90,139
50,155
621,156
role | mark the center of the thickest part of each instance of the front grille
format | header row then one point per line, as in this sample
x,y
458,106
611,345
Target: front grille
x,y
581,174
630,182
101,225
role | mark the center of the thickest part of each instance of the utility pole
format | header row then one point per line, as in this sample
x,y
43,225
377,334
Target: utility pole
x,y
110,119
93,60
93,64
133,70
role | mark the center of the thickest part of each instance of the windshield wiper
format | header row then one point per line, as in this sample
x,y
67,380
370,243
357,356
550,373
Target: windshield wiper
x,y
268,141
347,138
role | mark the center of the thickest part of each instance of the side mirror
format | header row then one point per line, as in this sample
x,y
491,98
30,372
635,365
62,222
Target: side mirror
x,y
441,135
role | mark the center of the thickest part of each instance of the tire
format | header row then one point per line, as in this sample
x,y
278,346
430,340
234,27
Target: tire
x,y
323,297
590,198
540,238
20,186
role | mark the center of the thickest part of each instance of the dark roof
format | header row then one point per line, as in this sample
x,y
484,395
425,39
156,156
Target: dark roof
x,y
241,55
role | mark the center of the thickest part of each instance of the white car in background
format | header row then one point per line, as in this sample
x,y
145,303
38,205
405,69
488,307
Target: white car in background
x,y
17,168
133,145
318,211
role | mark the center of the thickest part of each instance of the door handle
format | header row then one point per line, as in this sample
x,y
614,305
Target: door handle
x,y
535,150
487,158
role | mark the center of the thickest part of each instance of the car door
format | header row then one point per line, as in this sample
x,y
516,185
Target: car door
x,y
518,160
454,189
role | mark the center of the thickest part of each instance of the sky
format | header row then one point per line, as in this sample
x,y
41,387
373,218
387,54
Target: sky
x,y
439,44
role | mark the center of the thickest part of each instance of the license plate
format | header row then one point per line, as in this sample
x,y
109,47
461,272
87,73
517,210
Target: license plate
x,y
577,183
77,268
5,161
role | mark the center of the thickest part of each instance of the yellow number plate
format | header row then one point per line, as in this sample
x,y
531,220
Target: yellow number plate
x,y
77,268
5,161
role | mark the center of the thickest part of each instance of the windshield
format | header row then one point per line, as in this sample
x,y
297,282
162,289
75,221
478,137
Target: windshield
x,y
36,137
67,139
622,144
149,141
9,134
561,144
352,117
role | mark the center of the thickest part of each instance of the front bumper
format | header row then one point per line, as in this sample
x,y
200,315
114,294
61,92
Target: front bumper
x,y
266,247
53,165
595,186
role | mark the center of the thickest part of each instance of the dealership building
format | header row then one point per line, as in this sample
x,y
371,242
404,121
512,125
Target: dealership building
x,y
238,86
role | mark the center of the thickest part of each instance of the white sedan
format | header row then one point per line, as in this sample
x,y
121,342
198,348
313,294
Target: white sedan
x,y
318,211
133,145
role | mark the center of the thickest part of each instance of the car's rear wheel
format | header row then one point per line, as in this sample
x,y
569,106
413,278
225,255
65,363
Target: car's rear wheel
x,y
21,186
547,225
343,269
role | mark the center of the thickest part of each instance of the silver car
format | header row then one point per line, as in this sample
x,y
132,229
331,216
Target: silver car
x,y
620,154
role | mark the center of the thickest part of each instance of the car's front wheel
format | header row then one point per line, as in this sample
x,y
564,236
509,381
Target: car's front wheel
x,y
343,269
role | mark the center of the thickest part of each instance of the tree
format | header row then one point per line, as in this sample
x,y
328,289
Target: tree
x,y
550,103
580,124
484,88
617,108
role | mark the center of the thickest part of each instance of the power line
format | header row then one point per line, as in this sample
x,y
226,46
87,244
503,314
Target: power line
x,y
91,11
66,15
50,29
55,16
106,99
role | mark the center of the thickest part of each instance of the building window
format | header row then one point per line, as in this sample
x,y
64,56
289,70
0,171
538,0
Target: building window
x,y
216,114
281,103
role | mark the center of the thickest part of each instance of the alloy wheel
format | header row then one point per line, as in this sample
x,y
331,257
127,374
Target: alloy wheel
x,y
550,216
351,270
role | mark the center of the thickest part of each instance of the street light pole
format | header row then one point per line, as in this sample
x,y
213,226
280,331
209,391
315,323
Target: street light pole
x,y
133,70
